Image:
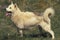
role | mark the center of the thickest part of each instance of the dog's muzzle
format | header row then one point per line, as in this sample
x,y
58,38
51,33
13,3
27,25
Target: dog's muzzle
x,y
8,13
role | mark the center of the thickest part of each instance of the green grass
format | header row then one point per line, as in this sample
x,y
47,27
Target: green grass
x,y
8,30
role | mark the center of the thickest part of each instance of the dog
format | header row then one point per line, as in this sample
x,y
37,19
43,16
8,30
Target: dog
x,y
27,19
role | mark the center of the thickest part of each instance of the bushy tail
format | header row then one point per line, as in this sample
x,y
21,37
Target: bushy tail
x,y
49,12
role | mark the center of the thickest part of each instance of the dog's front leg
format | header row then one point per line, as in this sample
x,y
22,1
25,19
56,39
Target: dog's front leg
x,y
21,33
20,26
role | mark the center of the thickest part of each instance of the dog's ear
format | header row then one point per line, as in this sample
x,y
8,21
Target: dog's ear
x,y
15,5
11,2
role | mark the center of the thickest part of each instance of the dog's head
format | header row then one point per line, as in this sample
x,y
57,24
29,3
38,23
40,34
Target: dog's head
x,y
11,8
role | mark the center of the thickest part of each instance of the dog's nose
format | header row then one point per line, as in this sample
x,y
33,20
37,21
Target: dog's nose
x,y
5,8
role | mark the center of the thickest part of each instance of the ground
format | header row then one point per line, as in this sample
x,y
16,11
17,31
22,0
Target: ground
x,y
8,30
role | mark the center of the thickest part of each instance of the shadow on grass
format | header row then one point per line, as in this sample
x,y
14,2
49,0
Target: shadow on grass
x,y
25,37
37,35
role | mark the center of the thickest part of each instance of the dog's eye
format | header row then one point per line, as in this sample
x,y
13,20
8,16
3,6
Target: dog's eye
x,y
10,7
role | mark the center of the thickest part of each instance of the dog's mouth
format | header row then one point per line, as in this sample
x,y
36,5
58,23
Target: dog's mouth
x,y
8,13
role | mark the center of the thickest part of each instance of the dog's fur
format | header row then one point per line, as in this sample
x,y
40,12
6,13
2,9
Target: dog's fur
x,y
27,19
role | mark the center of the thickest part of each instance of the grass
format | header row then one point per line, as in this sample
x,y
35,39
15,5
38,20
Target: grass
x,y
8,31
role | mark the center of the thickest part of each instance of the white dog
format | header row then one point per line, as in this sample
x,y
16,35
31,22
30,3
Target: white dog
x,y
27,19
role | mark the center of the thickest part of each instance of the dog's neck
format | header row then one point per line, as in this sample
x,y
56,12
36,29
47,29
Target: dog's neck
x,y
19,9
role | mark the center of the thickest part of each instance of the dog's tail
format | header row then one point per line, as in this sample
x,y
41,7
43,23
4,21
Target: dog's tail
x,y
48,13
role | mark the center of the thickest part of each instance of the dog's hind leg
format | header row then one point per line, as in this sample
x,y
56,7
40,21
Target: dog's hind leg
x,y
47,28
40,30
52,33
